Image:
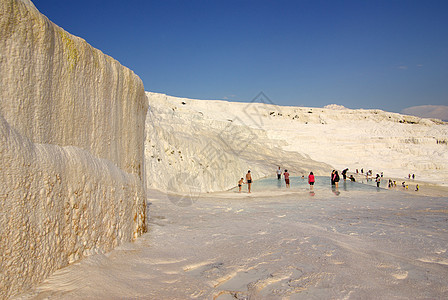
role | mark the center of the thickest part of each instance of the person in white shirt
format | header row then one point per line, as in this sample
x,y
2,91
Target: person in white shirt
x,y
279,174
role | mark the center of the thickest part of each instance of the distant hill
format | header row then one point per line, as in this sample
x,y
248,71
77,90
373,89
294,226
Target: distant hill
x,y
428,111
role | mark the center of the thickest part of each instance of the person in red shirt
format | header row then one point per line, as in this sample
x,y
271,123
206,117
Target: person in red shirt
x,y
286,174
311,180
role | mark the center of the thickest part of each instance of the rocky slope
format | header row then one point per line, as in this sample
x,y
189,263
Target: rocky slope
x,y
213,143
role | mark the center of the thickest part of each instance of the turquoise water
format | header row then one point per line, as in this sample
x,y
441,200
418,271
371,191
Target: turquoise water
x,y
301,184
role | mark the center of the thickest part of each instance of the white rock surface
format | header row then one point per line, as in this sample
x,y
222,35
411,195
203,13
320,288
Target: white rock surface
x,y
57,89
361,244
71,153
261,136
205,146
59,204
72,127
335,106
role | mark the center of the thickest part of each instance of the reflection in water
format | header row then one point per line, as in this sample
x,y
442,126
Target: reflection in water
x,y
335,190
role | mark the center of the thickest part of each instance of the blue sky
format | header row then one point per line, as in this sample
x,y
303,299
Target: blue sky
x,y
361,54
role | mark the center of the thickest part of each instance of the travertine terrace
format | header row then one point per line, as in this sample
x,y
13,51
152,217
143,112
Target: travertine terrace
x,y
215,142
71,151
79,146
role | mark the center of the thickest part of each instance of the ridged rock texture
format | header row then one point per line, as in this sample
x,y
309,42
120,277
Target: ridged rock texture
x,y
208,145
199,146
72,123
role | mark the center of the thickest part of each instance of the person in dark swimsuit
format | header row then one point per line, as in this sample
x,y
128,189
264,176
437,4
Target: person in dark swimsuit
x,y
240,183
249,180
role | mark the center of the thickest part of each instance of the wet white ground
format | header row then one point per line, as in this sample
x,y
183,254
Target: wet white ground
x,y
358,245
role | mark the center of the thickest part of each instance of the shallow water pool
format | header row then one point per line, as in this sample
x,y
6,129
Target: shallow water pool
x,y
301,184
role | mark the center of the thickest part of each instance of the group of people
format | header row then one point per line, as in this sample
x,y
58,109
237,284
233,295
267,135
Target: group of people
x,y
391,183
311,179
334,177
285,174
369,172
405,186
248,182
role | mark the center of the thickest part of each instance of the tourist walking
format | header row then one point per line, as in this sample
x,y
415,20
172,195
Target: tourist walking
x,y
286,174
279,174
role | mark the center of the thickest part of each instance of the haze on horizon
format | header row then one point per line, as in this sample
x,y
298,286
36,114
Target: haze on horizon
x,y
389,55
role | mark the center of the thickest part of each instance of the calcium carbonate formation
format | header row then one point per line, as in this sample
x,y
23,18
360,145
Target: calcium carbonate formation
x,y
71,152
212,144
216,142
75,162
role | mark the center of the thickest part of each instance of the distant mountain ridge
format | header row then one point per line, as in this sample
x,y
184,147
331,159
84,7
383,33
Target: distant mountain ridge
x,y
428,111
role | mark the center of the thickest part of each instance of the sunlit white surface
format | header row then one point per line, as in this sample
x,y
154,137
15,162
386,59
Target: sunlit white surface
x,y
290,245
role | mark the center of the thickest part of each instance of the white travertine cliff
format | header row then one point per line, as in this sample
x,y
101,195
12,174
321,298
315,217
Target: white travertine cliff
x,y
57,89
59,204
214,142
198,146
72,123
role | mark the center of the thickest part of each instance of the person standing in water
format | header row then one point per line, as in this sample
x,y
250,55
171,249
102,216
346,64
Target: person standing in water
x,y
378,180
336,179
279,174
240,183
286,174
311,180
248,180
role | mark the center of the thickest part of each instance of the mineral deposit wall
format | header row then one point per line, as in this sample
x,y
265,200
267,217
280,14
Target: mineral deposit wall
x,y
58,204
57,89
72,124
